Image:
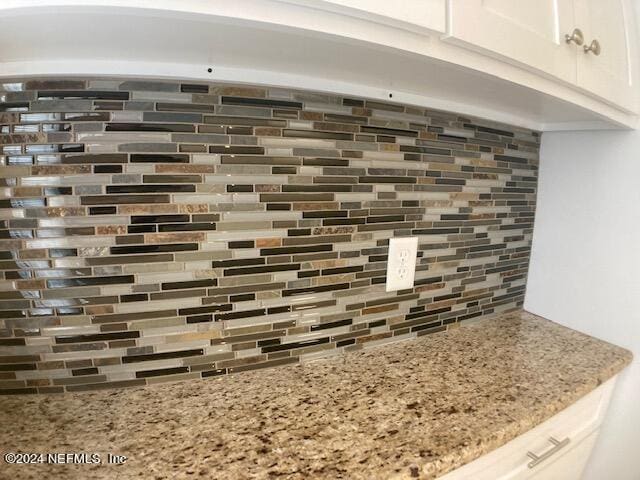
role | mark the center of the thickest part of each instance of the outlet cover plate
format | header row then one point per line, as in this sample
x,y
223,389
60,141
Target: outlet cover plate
x,y
401,263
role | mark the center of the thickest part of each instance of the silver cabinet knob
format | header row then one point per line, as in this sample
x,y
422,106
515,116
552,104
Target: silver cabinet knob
x,y
594,47
575,37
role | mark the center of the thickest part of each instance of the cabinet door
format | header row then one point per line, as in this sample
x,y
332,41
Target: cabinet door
x,y
414,15
527,32
423,13
608,74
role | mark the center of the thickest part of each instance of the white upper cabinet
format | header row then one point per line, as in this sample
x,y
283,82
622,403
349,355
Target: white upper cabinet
x,y
428,14
506,60
529,32
607,74
533,34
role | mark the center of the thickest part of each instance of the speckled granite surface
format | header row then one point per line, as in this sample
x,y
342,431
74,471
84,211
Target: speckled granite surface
x,y
415,409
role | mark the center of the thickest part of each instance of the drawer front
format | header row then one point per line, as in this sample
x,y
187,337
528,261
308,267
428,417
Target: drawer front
x,y
578,423
567,465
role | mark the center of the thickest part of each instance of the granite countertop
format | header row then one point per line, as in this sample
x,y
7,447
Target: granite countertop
x,y
415,409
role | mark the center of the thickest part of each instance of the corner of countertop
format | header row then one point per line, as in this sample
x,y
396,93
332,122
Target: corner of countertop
x,y
627,354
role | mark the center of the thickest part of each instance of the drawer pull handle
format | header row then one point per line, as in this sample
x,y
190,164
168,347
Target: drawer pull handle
x,y
537,459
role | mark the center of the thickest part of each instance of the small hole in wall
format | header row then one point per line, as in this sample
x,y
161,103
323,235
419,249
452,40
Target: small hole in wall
x,y
209,69
391,95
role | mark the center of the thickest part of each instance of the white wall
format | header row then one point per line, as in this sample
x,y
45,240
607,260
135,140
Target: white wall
x,y
585,267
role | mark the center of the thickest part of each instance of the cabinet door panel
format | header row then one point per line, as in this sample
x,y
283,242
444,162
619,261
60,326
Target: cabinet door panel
x,y
423,13
527,32
607,75
415,15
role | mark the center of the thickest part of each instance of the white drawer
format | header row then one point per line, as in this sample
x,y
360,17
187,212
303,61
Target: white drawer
x,y
578,423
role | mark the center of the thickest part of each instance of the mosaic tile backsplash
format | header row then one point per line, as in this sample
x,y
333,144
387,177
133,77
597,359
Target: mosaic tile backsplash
x,y
155,231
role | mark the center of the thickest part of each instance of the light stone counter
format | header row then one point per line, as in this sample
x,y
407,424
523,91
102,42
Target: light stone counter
x,y
415,409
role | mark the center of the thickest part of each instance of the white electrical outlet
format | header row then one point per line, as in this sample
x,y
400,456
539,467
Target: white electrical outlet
x,y
401,264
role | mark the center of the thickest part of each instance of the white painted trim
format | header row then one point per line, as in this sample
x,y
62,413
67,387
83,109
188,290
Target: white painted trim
x,y
259,77
529,99
269,11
